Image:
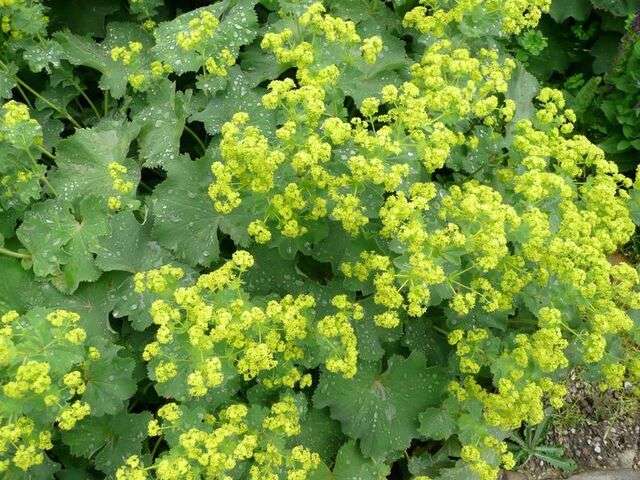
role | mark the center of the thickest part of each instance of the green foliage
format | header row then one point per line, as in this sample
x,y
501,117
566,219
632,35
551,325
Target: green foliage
x,y
109,440
594,61
280,239
531,445
381,409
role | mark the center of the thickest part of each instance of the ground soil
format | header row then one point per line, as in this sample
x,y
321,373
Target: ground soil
x,y
599,431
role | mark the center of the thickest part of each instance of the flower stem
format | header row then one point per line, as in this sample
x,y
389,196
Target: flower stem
x,y
24,96
87,99
62,112
44,175
11,253
196,138
46,152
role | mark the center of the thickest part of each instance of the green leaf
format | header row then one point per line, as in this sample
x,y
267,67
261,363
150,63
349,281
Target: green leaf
x,y
163,121
360,80
238,26
7,80
427,463
585,97
381,409
111,439
94,301
372,18
240,96
605,52
320,434
321,473
185,221
351,465
128,246
109,380
420,335
436,424
81,17
18,195
43,55
522,89
620,8
61,243
84,51
634,206
52,127
83,160
90,224
563,9
272,273
145,8
76,472
35,339
257,66
558,54
29,19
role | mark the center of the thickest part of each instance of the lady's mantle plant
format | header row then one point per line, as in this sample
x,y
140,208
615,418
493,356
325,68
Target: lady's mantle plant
x,y
295,240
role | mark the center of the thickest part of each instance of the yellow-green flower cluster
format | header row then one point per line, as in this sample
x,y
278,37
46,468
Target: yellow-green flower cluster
x,y
126,54
247,160
22,445
159,69
334,29
481,458
46,392
140,74
17,128
210,332
337,329
13,20
117,172
390,284
545,222
371,48
510,247
133,469
158,280
469,348
446,85
613,375
201,28
236,435
439,20
14,113
219,67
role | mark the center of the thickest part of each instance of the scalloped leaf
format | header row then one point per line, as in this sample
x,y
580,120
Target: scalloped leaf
x,y
238,26
163,120
128,246
62,240
83,161
93,301
84,51
381,408
240,96
7,80
185,220
351,465
109,380
110,439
